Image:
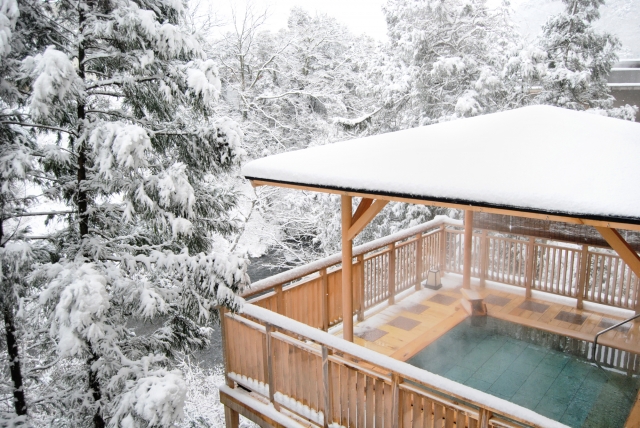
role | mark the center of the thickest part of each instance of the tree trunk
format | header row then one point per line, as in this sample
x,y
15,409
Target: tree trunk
x,y
94,382
19,401
94,387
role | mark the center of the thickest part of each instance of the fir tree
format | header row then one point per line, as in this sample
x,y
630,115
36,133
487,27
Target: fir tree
x,y
23,31
579,60
123,98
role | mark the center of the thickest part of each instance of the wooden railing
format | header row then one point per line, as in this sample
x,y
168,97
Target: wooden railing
x,y
312,294
331,382
383,268
594,275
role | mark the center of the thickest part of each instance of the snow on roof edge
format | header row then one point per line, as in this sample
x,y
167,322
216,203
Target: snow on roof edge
x,y
616,219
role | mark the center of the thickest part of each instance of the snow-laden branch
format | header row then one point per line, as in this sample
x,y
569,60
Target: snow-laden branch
x,y
350,123
121,81
37,213
271,97
37,125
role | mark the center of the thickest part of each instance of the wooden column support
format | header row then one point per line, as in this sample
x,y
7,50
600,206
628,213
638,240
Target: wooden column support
x,y
347,277
352,225
468,248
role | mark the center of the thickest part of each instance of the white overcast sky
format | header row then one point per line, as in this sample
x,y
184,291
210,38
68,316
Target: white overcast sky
x,y
360,16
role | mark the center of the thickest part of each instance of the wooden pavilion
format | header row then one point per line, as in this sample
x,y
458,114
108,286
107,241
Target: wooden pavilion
x,y
534,167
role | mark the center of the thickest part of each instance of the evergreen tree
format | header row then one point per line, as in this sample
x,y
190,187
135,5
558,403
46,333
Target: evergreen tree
x,y
123,99
23,31
579,60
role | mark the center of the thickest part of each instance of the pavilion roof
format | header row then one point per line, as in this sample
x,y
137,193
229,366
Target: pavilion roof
x,y
537,159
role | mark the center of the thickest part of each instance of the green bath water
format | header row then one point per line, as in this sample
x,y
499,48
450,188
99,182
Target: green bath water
x,y
544,372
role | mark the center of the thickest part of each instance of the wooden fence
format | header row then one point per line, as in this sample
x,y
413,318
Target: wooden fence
x,y
383,268
328,381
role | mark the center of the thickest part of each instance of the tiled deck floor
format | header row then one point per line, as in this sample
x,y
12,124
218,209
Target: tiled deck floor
x,y
405,328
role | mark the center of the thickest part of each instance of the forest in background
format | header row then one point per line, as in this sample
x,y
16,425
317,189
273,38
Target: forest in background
x,y
124,125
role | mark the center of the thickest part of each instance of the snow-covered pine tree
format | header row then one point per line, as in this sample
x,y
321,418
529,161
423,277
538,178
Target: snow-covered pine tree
x,y
123,98
579,60
23,31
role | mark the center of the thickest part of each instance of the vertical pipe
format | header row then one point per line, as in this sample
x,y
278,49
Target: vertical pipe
x,y
325,299
419,267
392,273
529,275
583,277
484,256
347,278
443,248
361,287
468,243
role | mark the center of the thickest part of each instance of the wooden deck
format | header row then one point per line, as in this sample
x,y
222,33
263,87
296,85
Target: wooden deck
x,y
436,312
274,355
402,330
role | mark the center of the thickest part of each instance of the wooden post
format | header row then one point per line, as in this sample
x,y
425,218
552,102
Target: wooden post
x,y
324,301
583,277
326,378
361,288
231,417
485,415
484,257
419,268
395,400
392,273
443,249
280,300
225,346
468,248
347,278
268,364
529,275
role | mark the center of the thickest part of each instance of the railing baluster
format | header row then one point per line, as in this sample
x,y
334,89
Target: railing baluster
x,y
395,400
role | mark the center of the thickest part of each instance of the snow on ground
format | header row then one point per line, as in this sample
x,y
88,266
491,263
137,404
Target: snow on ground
x,y
202,407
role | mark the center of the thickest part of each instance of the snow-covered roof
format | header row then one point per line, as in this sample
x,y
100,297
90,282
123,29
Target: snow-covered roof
x,y
536,159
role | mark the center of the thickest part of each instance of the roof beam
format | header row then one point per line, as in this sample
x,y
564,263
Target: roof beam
x,y
621,247
504,211
364,218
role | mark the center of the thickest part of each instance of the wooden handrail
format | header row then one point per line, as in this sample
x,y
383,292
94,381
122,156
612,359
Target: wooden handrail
x,y
302,271
400,371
